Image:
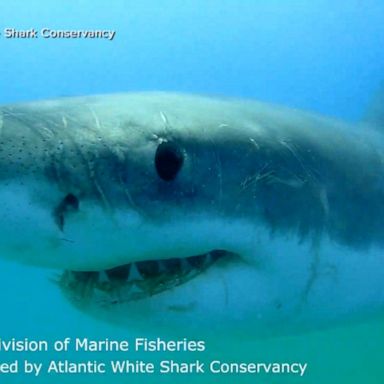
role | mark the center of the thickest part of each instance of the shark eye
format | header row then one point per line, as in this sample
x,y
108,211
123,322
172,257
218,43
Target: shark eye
x,y
169,159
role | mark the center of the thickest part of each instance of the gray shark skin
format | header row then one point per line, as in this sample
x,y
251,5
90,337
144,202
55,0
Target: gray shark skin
x,y
170,211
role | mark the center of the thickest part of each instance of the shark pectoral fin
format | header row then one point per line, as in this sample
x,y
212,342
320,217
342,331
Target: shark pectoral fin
x,y
375,111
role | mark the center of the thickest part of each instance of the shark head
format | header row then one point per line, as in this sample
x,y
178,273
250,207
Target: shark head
x,y
190,213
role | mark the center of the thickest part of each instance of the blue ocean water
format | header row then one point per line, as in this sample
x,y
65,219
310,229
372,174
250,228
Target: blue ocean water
x,y
323,56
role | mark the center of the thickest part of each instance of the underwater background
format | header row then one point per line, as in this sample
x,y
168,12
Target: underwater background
x,y
324,56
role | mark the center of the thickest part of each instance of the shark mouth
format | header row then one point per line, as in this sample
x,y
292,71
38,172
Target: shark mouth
x,y
135,281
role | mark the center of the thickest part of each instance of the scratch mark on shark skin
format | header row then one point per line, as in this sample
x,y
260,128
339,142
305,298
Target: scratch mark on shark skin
x,y
97,121
164,119
65,122
313,275
308,171
317,270
252,181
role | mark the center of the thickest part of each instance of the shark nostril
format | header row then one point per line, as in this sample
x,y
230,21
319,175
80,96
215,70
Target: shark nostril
x,y
70,203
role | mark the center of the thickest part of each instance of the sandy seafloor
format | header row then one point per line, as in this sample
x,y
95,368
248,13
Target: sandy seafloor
x,y
323,56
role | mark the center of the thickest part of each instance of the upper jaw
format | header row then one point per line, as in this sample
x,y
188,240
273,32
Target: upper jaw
x,y
137,280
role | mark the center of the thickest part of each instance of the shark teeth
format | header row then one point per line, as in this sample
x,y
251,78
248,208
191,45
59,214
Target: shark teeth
x,y
134,274
136,281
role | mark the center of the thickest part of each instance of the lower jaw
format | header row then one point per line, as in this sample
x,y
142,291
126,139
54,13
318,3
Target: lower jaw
x,y
136,281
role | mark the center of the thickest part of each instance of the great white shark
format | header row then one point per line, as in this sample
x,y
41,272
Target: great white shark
x,y
194,214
